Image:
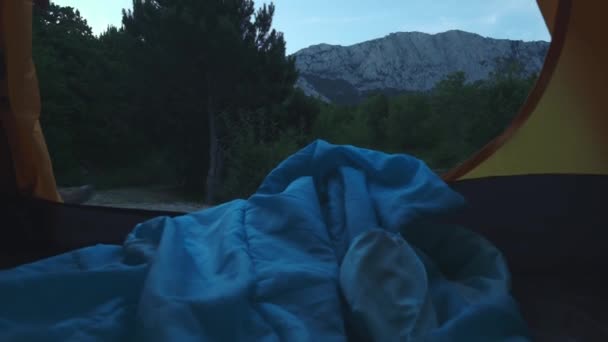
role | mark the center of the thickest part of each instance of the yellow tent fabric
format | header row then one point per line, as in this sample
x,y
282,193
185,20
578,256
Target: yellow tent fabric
x,y
20,116
563,127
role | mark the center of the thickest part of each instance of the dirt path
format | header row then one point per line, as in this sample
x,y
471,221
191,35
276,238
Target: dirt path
x,y
150,197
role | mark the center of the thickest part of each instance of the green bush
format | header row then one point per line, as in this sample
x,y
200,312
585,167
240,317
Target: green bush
x,y
249,160
343,125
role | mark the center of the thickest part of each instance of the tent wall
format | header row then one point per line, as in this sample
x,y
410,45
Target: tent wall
x,y
37,229
548,9
542,223
8,187
563,126
552,231
20,116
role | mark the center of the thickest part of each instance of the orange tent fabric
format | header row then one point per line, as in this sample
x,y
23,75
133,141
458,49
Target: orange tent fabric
x,y
20,114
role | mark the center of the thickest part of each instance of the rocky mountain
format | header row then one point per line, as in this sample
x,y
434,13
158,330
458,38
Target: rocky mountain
x,y
407,61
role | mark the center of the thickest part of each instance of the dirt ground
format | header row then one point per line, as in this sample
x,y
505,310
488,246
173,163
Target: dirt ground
x,y
150,197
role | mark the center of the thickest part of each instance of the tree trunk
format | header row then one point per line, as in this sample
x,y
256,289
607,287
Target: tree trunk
x,y
215,157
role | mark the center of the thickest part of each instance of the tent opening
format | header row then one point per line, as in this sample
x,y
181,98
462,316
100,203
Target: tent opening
x,y
153,123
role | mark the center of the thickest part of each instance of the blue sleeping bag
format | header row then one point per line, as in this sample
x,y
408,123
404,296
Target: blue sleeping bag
x,y
337,244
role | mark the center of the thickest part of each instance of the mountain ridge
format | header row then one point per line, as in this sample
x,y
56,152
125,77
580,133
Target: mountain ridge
x,y
407,61
415,32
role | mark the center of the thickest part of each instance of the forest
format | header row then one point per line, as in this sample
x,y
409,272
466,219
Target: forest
x,y
200,94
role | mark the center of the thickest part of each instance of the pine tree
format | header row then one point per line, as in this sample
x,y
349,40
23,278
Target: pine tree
x,y
214,57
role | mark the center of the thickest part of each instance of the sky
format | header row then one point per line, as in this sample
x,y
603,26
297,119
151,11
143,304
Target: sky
x,y
347,22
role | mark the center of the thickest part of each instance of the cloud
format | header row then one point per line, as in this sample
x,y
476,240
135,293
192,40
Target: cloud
x,y
339,20
312,20
347,20
503,8
490,19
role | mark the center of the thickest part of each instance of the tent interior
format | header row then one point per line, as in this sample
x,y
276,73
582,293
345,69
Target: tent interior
x,y
536,191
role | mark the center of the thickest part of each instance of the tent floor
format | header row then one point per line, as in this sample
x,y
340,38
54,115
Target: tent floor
x,y
559,309
551,228
555,308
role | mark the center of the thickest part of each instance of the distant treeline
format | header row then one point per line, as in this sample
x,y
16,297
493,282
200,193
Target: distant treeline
x,y
201,94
